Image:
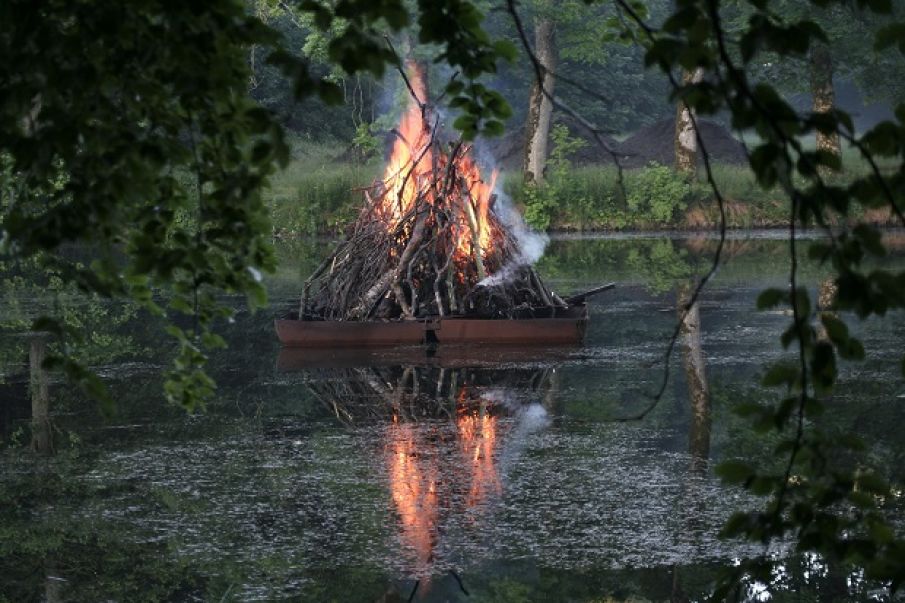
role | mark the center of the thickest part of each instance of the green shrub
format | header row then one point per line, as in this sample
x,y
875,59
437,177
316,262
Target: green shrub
x,y
658,193
541,201
366,145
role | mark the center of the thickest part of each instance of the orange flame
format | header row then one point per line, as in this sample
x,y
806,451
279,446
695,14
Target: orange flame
x,y
477,439
409,167
417,169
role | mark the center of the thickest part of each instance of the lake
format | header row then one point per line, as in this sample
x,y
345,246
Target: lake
x,y
472,475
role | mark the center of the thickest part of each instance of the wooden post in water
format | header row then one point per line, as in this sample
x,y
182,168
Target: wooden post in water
x,y
41,431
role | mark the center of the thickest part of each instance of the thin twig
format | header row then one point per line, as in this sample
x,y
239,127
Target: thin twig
x,y
405,78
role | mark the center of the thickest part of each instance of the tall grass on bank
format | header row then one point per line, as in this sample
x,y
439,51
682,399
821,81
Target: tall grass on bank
x,y
316,193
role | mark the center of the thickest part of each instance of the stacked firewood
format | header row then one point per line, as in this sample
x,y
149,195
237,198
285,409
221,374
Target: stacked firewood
x,y
427,243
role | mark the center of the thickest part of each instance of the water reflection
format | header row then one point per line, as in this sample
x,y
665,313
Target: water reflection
x,y
404,465
424,484
41,428
447,431
695,375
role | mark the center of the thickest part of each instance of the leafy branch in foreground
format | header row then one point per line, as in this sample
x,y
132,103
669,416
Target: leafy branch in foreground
x,y
821,496
127,130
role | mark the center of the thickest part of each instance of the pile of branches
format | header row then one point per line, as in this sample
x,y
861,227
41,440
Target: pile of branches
x,y
427,243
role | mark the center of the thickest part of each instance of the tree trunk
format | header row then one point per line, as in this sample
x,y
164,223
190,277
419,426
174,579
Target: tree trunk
x,y
686,140
821,67
540,108
826,302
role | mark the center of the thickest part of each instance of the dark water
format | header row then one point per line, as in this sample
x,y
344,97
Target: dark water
x,y
473,475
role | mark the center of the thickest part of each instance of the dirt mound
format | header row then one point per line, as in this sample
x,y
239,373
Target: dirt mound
x,y
651,143
508,150
656,143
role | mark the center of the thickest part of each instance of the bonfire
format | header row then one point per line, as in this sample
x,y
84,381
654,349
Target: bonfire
x,y
428,241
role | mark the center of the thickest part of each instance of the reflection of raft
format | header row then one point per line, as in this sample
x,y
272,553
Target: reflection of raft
x,y
562,327
420,356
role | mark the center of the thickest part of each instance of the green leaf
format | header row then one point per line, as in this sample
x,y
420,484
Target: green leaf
x,y
734,471
785,373
261,151
835,328
737,525
770,298
212,341
802,301
872,483
506,50
870,238
861,500
493,128
823,367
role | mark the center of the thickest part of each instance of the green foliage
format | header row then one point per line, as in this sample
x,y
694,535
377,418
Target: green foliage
x,y
542,200
812,497
130,132
539,206
315,194
594,198
364,142
123,116
117,125
658,193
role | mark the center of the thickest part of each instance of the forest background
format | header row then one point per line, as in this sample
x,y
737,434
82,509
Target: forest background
x,y
338,148
136,167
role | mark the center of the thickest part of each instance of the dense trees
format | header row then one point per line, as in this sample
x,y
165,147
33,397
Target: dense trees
x,y
129,130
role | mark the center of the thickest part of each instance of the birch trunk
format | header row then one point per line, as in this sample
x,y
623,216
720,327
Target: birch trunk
x,y
540,108
686,141
821,68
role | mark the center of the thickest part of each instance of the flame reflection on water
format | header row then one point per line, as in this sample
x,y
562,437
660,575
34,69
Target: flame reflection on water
x,y
427,482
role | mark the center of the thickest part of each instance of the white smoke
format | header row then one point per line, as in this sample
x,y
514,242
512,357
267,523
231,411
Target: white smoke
x,y
530,243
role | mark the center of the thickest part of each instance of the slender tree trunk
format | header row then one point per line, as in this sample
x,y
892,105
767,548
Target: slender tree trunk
x,y
540,108
686,140
821,67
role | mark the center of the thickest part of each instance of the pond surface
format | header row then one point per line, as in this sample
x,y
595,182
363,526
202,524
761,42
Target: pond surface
x,y
473,475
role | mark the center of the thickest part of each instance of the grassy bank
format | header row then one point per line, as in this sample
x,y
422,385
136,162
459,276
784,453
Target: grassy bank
x,y
316,194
